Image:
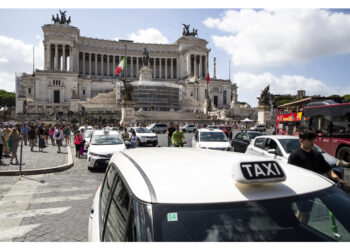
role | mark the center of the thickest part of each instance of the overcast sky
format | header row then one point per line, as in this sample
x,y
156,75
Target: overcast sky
x,y
290,49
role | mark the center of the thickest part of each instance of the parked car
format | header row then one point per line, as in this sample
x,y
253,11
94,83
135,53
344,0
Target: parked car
x,y
103,145
181,195
279,147
188,128
210,139
242,139
158,127
259,128
227,129
144,136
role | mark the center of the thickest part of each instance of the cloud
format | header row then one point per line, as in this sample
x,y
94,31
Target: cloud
x,y
150,35
17,56
250,86
262,38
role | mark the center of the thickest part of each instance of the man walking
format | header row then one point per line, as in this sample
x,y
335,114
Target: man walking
x,y
178,137
309,158
169,132
32,135
59,138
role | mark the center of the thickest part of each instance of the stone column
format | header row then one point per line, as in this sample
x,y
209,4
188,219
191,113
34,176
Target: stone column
x,y
154,68
137,66
200,67
107,65
188,64
95,64
113,66
83,63
172,68
160,67
177,69
132,66
90,64
45,57
195,65
49,65
56,57
71,59
102,59
166,67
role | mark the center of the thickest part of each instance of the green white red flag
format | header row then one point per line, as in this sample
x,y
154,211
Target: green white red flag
x,y
120,67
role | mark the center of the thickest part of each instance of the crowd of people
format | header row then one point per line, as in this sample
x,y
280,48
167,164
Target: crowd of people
x,y
33,135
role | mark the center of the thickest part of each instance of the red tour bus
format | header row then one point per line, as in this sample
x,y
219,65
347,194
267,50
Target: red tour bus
x,y
331,122
329,119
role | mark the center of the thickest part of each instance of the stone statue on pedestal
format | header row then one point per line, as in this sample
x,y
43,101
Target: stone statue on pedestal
x,y
145,58
265,97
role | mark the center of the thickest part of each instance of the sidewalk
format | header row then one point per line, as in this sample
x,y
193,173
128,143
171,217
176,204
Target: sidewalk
x,y
35,162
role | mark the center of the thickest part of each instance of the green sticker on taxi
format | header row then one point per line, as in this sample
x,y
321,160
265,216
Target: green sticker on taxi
x,y
172,216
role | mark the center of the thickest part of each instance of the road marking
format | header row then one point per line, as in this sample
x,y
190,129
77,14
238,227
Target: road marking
x,y
51,190
15,232
32,213
48,199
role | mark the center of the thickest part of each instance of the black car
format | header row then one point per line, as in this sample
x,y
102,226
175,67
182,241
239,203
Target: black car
x,y
242,139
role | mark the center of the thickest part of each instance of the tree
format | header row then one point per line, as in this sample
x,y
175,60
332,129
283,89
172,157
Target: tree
x,y
346,98
7,98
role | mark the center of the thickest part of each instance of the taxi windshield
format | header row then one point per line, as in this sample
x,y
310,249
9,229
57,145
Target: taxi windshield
x,y
213,137
317,216
106,140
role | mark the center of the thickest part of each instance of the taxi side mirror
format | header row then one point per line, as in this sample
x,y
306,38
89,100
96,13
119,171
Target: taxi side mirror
x,y
272,151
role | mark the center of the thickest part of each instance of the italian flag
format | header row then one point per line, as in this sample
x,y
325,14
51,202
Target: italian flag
x,y
120,67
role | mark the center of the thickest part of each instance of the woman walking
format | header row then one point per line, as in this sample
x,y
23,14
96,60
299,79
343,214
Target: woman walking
x,y
82,145
52,133
41,133
133,139
66,135
77,142
13,144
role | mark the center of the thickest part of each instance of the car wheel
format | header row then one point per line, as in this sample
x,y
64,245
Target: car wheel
x,y
154,144
344,154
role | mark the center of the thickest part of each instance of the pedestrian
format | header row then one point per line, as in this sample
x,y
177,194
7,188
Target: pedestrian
x,y
52,133
178,137
13,143
59,138
37,134
82,145
25,133
47,134
6,131
310,159
41,135
171,129
32,135
2,140
133,139
66,134
125,135
77,142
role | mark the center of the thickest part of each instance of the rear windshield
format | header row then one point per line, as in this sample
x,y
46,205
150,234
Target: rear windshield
x,y
266,220
213,137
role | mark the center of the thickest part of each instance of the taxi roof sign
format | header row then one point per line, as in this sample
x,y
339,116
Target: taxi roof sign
x,y
259,172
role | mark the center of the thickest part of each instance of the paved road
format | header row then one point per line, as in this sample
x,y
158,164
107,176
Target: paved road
x,y
57,210
48,158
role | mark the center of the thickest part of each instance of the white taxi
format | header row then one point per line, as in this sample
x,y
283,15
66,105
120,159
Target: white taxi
x,y
210,139
208,195
102,146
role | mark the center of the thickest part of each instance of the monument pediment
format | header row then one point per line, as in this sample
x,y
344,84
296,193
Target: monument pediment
x,y
59,36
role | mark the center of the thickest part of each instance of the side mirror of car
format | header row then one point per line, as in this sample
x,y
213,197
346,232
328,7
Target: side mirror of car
x,y
272,151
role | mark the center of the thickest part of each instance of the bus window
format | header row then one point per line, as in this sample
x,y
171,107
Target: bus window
x,y
341,121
